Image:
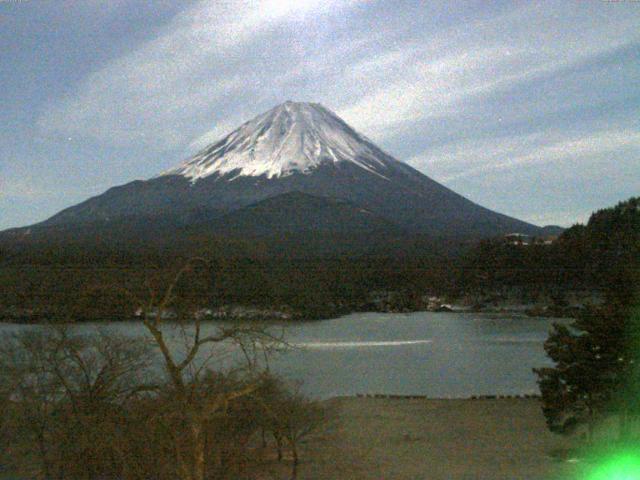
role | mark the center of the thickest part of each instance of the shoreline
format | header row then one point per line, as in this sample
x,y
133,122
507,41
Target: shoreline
x,y
391,396
515,311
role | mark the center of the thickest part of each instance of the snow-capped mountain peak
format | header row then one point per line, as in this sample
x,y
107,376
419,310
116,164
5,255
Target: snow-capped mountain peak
x,y
292,137
294,155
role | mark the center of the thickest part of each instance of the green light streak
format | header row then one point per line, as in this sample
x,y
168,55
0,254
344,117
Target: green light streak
x,y
623,466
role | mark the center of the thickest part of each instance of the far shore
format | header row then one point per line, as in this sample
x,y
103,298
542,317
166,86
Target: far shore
x,y
522,310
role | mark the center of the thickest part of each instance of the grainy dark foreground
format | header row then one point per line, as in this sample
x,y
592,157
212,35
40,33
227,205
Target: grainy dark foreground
x,y
480,439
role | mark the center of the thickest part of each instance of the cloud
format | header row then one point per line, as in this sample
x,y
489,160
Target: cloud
x,y
155,93
218,132
579,148
210,60
425,89
448,72
474,158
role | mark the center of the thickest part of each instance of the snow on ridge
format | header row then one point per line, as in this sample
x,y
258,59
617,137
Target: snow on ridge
x,y
292,137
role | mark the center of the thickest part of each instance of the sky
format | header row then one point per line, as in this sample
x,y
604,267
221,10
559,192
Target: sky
x,y
528,108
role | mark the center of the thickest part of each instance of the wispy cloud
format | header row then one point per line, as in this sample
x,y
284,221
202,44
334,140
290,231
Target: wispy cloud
x,y
445,73
572,149
473,158
155,93
221,129
29,186
429,88
163,91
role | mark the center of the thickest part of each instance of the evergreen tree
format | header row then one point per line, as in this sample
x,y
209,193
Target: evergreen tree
x,y
596,367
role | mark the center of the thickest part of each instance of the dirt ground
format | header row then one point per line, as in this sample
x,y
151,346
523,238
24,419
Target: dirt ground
x,y
501,439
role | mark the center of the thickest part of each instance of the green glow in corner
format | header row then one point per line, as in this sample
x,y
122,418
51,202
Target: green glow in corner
x,y
624,466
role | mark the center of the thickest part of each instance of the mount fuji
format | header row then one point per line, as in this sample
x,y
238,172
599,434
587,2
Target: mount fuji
x,y
296,167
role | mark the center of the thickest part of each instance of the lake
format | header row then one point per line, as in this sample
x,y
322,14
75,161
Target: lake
x,y
440,355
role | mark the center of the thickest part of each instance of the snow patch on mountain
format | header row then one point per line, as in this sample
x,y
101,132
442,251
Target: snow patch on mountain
x,y
292,137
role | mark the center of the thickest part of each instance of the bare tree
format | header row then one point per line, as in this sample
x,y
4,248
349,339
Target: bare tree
x,y
33,392
289,416
297,417
195,403
64,389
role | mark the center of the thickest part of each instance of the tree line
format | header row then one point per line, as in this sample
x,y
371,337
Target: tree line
x,y
604,252
65,279
76,288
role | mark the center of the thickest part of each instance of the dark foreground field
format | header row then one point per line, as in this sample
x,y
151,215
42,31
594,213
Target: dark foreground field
x,y
503,439
370,438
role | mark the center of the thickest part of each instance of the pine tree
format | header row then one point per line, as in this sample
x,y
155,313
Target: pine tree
x,y
596,367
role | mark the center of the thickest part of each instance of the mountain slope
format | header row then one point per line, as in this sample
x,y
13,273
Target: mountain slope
x,y
299,212
299,217
297,147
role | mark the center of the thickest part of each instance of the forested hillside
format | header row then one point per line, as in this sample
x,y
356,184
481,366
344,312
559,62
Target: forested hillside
x,y
599,254
311,274
89,281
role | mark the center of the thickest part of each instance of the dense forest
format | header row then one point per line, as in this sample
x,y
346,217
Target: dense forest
x,y
293,277
595,256
74,281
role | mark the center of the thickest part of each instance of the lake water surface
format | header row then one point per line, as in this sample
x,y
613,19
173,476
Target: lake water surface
x,y
441,355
